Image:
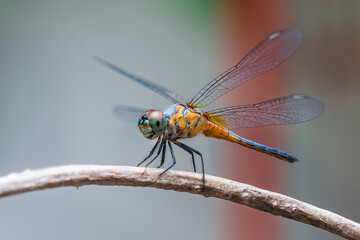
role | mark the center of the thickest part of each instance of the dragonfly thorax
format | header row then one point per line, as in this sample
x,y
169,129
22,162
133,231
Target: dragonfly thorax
x,y
152,123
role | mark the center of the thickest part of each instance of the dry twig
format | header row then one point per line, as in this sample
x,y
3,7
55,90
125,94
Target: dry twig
x,y
274,203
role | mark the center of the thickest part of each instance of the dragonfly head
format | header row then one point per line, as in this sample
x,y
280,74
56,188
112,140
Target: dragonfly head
x,y
152,123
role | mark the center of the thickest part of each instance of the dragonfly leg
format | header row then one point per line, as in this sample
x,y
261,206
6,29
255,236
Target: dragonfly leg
x,y
190,149
162,156
172,165
162,144
151,152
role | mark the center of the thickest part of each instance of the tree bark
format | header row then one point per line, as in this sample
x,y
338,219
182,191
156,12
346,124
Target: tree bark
x,y
274,203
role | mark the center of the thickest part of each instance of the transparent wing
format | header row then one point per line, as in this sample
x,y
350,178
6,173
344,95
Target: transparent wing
x,y
285,110
129,113
268,54
163,91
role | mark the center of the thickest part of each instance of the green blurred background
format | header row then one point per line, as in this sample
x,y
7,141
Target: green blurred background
x,y
56,109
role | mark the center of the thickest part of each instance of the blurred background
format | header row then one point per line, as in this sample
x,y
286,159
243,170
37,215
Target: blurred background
x,y
56,109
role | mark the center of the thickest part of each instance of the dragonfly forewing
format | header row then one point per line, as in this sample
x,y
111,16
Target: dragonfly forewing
x,y
272,51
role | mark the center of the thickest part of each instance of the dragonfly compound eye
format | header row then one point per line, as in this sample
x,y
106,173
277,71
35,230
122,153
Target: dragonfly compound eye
x,y
143,120
157,121
152,123
158,125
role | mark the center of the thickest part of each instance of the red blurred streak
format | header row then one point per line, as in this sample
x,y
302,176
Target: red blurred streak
x,y
243,24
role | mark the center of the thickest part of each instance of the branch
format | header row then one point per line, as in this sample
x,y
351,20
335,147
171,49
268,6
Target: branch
x,y
274,203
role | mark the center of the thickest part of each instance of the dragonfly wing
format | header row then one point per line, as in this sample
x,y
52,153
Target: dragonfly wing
x,y
129,113
285,110
268,54
163,91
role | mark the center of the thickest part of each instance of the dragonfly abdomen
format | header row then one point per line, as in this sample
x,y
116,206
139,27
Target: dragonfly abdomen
x,y
216,131
280,154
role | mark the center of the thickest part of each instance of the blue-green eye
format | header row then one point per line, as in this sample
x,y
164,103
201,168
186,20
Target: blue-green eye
x,y
158,125
152,123
143,120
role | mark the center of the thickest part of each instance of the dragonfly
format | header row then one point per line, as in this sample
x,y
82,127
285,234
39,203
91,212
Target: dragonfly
x,y
185,119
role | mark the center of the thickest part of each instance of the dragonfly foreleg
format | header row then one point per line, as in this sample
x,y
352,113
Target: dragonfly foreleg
x,y
151,152
192,150
158,152
172,165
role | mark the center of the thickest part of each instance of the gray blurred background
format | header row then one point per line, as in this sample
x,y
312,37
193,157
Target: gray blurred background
x,y
56,109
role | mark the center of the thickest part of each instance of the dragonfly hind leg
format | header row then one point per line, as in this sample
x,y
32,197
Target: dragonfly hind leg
x,y
189,151
192,151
